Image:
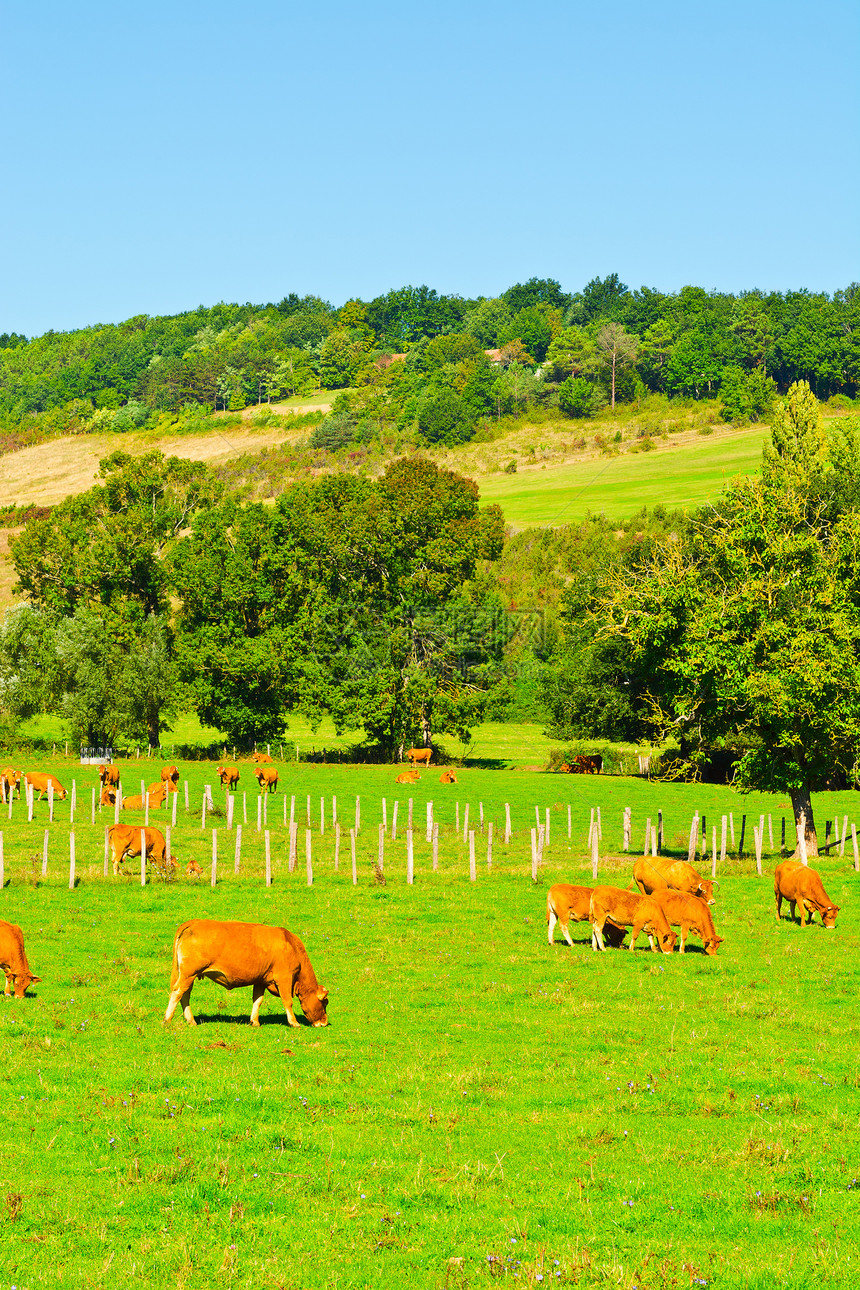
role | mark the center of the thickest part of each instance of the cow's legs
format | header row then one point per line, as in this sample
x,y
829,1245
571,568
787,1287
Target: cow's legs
x,y
778,895
285,990
552,919
9,980
685,932
565,928
259,991
805,914
181,993
597,941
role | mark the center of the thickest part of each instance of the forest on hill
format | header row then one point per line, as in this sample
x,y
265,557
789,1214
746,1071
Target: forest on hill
x,y
441,365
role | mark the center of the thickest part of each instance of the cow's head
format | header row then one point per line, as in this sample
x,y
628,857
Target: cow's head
x,y
705,891
22,982
314,1006
713,943
666,941
828,916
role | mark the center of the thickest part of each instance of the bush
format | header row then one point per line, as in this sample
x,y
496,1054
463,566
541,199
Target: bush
x,y
841,402
745,396
578,397
130,417
443,417
334,433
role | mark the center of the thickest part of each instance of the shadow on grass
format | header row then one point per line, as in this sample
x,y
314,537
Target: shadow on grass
x,y
266,1019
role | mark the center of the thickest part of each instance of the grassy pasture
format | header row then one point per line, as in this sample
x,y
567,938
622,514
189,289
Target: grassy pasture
x,y
482,1108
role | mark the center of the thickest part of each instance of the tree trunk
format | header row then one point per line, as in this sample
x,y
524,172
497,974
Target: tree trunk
x,y
802,802
155,732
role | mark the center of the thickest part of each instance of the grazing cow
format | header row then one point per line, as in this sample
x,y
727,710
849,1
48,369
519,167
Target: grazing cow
x,y
628,910
587,764
228,775
13,960
690,913
109,775
41,781
654,873
193,869
240,954
565,768
408,777
124,841
267,779
447,777
263,757
416,755
801,886
564,902
107,797
11,781
170,774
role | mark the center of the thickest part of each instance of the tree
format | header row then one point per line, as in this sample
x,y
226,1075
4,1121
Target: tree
x,y
619,351
578,397
750,629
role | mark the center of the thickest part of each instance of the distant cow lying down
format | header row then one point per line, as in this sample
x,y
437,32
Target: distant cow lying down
x,y
628,910
137,803
565,903
447,777
262,757
240,954
408,777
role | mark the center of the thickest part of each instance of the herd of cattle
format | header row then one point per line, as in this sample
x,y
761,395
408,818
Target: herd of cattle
x,y
672,894
233,954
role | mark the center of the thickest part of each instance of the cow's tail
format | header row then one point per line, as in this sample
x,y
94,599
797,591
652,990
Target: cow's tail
x,y
550,907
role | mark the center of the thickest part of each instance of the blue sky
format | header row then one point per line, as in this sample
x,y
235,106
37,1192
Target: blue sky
x,y
157,157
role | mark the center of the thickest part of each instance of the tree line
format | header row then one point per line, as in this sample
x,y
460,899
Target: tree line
x,y
413,357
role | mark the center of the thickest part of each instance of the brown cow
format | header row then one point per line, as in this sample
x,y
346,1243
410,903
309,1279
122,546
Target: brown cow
x,y
565,768
628,910
157,794
161,789
263,757
447,777
228,775
802,886
107,797
11,779
565,902
124,841
109,775
689,913
240,954
654,873
587,764
408,777
193,869
267,779
416,755
13,960
41,781
170,774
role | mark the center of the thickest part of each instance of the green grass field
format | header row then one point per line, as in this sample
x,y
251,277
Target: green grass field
x,y
482,1108
682,474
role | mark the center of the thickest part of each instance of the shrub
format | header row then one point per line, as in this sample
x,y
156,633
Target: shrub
x,y
745,396
578,397
443,417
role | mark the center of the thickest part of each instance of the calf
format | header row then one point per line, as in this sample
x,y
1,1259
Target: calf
x,y
802,886
40,782
628,910
267,779
262,757
564,902
416,755
170,774
228,775
193,869
690,913
124,841
655,873
137,803
13,960
408,777
107,797
109,775
447,777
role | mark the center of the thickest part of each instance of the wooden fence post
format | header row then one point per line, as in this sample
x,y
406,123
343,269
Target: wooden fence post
x,y
229,810
627,827
118,803
481,814
308,813
186,795
50,802
595,844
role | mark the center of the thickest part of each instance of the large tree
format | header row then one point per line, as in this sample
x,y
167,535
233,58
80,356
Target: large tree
x,y
750,628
